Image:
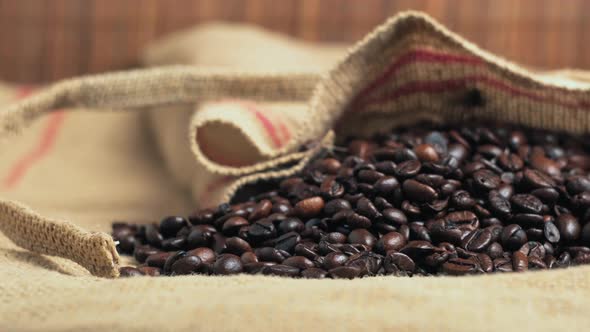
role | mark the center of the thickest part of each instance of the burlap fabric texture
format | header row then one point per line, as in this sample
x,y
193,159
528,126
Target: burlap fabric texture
x,y
103,165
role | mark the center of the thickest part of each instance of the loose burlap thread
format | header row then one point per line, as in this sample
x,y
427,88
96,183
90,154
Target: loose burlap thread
x,y
408,69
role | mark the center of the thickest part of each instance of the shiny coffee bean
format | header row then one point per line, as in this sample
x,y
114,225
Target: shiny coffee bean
x,y
227,264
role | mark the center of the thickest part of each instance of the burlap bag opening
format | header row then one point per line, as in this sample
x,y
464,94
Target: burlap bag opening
x,y
407,69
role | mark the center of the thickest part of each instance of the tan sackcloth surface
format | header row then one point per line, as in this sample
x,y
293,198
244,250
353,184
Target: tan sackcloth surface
x,y
112,170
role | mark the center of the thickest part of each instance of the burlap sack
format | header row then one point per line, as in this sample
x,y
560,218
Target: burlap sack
x,y
231,135
405,60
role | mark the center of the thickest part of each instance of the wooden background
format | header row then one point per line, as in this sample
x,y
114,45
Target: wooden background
x,y
44,40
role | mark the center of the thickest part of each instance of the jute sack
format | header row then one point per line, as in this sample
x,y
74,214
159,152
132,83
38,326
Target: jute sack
x,y
231,134
407,56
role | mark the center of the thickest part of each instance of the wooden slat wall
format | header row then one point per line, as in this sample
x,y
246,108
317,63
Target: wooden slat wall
x,y
44,40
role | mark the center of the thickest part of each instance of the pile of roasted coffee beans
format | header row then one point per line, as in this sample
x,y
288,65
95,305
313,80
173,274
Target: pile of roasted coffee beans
x,y
421,201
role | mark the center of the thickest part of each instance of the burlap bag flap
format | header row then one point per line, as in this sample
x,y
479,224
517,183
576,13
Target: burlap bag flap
x,y
412,68
231,138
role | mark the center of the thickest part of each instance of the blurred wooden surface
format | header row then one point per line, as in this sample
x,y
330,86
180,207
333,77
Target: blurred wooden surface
x,y
43,40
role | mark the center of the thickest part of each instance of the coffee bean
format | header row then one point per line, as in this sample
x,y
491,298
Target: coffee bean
x,y
150,271
167,269
368,262
426,152
173,244
345,272
336,205
270,254
418,192
256,267
291,225
333,260
390,241
237,246
536,179
513,237
142,252
520,262
499,204
551,232
186,265
577,184
201,236
486,180
169,226
362,236
569,227
314,273
309,207
128,271
233,225
478,240
158,260
586,234
460,266
228,264
281,270
153,236
261,230
287,242
366,208
355,220
408,169
527,203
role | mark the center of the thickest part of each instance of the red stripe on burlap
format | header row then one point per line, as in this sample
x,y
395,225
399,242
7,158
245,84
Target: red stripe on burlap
x,y
433,86
43,147
418,55
461,83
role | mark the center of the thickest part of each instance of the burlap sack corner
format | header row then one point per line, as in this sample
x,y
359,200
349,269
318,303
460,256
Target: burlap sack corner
x,y
543,301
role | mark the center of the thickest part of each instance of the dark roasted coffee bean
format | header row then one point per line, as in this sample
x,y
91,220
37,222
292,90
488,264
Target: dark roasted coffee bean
x,y
586,234
309,207
362,236
158,259
417,249
269,254
546,195
227,264
236,246
173,244
150,271
426,153
333,260
128,271
314,273
408,168
307,249
345,272
355,220
495,250
569,227
169,226
527,203
218,243
167,269
291,225
577,184
153,236
513,237
551,232
186,265
486,180
141,252
395,217
299,262
390,241
287,241
248,257
460,266
461,199
206,255
520,261
366,208
537,179
368,262
256,267
485,263
281,270
336,205
200,236
398,263
503,265
466,220
261,230
528,220
232,225
478,240
418,192
386,186
499,204
536,263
